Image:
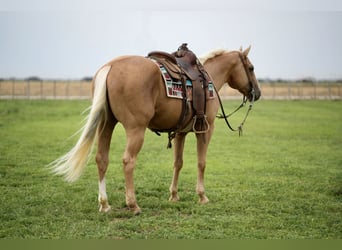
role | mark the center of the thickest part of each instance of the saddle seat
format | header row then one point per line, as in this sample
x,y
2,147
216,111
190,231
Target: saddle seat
x,y
175,65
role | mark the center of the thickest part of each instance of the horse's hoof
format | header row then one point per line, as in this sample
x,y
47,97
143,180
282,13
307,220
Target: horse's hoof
x,y
105,209
174,198
203,200
136,210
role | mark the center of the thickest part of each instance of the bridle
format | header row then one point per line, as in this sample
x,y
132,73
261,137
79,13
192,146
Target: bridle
x,y
244,99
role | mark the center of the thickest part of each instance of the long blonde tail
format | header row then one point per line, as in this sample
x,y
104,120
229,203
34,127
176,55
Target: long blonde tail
x,y
72,164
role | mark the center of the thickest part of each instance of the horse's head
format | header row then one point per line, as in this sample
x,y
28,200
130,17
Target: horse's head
x,y
242,76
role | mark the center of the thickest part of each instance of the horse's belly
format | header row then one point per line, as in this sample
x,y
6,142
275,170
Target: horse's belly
x,y
169,116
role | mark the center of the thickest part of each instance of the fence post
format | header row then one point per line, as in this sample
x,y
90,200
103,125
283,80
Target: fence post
x,y
67,89
289,91
28,82
329,91
54,89
41,89
273,90
80,89
13,88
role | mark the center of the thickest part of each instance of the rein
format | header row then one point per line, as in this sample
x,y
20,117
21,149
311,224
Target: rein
x,y
244,101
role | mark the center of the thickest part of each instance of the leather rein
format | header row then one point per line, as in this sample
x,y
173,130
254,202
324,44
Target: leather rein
x,y
244,101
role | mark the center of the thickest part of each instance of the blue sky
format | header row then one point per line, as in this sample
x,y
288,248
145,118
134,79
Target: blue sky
x,y
72,39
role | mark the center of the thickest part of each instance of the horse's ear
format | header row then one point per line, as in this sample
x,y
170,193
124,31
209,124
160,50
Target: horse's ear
x,y
246,51
240,48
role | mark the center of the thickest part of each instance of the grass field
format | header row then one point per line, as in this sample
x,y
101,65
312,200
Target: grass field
x,y
281,179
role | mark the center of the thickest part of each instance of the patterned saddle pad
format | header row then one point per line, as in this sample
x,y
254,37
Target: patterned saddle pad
x,y
174,87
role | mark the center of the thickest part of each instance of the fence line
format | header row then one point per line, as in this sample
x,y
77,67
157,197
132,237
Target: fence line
x,y
15,89
292,91
53,89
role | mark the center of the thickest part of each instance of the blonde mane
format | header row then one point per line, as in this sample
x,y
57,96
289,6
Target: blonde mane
x,y
211,54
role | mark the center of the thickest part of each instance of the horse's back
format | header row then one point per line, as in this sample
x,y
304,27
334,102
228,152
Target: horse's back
x,y
132,67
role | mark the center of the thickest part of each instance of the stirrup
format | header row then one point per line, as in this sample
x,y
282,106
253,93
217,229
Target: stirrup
x,y
206,123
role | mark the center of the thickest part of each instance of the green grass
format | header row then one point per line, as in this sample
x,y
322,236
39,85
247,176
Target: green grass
x,y
282,179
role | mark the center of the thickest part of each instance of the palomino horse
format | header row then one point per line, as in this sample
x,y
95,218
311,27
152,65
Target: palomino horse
x,y
131,90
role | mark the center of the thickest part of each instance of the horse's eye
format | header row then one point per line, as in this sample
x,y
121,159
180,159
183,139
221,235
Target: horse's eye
x,y
251,68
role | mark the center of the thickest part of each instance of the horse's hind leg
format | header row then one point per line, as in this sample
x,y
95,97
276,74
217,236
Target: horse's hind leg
x,y
135,140
178,164
102,160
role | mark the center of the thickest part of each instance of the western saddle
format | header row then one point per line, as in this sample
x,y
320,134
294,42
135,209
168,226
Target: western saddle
x,y
182,65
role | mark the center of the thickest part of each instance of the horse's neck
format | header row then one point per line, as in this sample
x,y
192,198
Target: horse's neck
x,y
220,67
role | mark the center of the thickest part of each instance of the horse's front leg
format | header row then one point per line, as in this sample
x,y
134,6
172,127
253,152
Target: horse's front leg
x,y
135,140
202,147
178,164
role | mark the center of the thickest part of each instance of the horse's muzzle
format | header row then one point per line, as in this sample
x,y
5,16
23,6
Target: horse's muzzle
x,y
254,95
